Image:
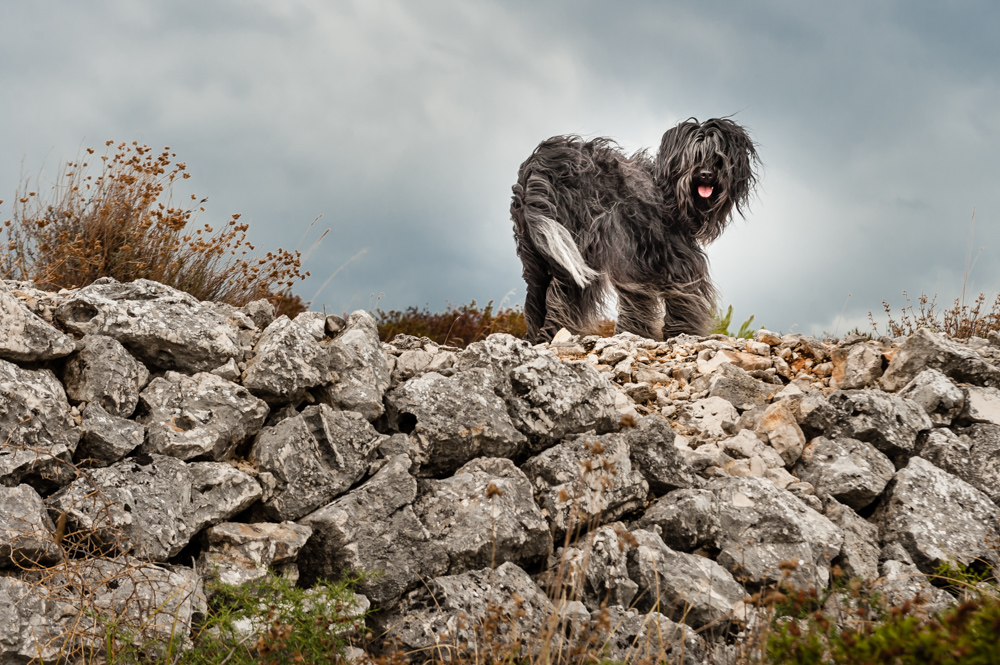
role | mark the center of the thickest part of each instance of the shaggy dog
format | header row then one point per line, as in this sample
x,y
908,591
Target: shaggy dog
x,y
589,218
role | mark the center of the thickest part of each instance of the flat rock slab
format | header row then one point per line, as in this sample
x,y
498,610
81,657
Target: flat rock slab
x,y
25,336
309,459
585,479
373,529
936,517
161,326
38,436
151,505
928,350
484,515
104,372
198,417
456,419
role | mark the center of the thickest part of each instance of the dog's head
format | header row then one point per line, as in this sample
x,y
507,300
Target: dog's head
x,y
707,169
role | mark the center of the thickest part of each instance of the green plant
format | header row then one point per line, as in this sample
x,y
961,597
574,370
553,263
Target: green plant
x,y
720,324
115,217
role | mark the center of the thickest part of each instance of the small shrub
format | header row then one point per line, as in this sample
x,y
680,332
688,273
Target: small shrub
x,y
962,320
116,218
720,324
457,326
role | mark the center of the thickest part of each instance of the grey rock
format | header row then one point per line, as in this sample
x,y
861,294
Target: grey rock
x,y
738,388
585,479
38,436
856,366
711,416
936,517
928,350
261,312
307,460
888,422
901,582
448,612
293,356
364,374
686,519
31,628
860,553
684,587
411,363
552,399
237,554
595,566
105,373
778,424
27,535
373,529
456,419
936,394
975,459
851,471
152,505
198,417
638,637
484,515
654,455
106,438
982,405
161,326
25,336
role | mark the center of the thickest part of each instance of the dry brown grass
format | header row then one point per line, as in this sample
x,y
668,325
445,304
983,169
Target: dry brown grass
x,y
114,215
962,320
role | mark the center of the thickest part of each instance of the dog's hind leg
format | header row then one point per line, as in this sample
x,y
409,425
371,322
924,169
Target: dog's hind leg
x,y
537,278
639,313
688,309
571,307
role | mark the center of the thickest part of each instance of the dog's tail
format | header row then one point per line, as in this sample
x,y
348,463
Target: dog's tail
x,y
551,238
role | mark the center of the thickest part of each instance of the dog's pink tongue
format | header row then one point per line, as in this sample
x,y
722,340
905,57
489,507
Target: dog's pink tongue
x,y
704,191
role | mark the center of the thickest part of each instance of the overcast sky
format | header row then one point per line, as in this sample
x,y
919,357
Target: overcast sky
x,y
403,123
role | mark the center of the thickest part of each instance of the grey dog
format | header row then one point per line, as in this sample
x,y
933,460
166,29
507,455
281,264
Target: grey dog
x,y
589,219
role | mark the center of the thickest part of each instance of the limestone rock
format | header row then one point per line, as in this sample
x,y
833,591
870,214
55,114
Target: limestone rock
x,y
652,638
30,624
654,455
586,478
373,528
597,565
307,460
928,350
686,519
152,505
856,366
37,433
902,581
936,517
684,587
105,373
106,438
738,388
860,553
851,471
161,326
484,514
363,377
27,535
448,611
982,405
712,416
25,336
238,554
198,417
936,394
456,419
778,424
888,422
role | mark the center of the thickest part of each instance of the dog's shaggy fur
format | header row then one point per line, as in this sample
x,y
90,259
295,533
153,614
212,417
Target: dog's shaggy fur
x,y
589,218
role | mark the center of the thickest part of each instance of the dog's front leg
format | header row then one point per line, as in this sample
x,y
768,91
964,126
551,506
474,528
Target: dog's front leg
x,y
639,313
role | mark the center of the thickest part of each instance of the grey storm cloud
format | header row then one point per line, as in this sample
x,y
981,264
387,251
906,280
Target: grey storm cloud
x,y
403,123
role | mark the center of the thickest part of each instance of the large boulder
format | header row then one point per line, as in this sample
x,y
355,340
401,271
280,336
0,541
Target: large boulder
x,y
198,417
851,471
161,326
309,459
38,435
929,350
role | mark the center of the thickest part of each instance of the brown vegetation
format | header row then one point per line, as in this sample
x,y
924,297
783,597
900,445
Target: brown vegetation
x,y
116,218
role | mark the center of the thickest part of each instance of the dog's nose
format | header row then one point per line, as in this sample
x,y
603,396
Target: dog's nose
x,y
707,175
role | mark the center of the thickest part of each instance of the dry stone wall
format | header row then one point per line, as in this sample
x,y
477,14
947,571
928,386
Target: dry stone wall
x,y
143,430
